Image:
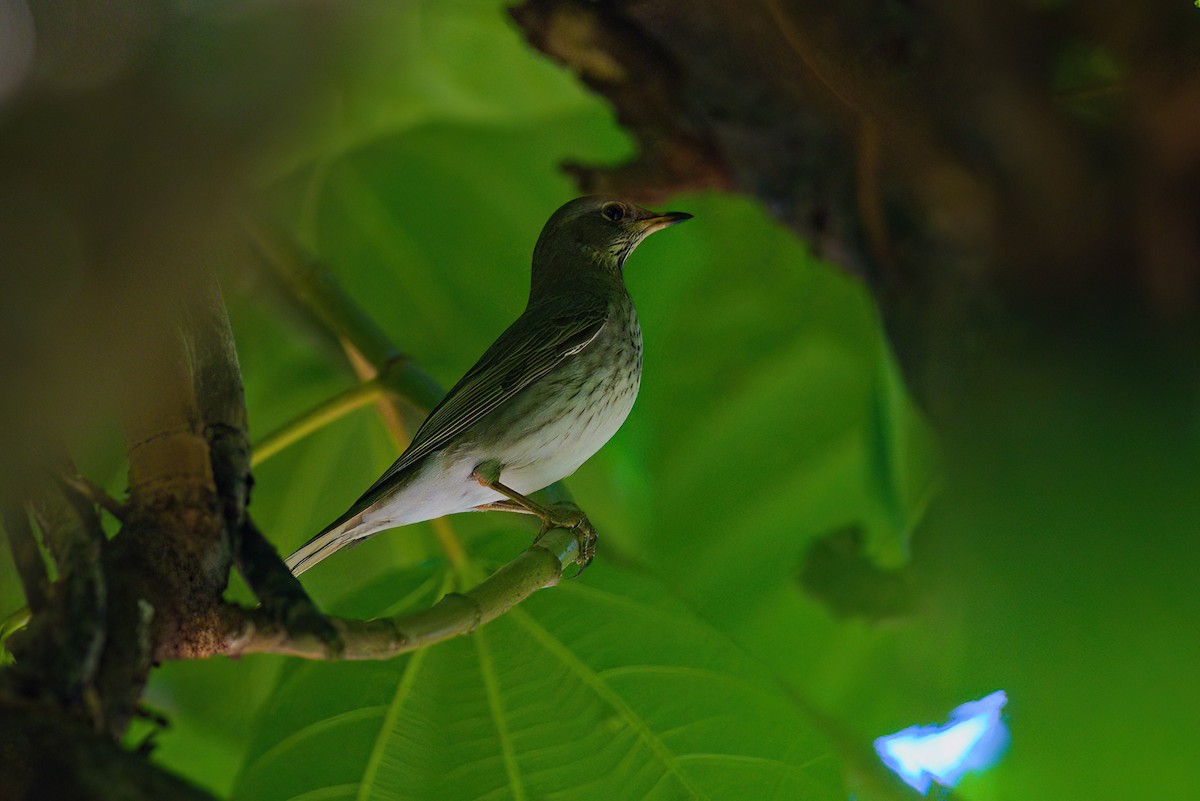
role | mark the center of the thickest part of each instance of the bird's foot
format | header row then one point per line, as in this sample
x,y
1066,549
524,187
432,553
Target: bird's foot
x,y
564,515
570,517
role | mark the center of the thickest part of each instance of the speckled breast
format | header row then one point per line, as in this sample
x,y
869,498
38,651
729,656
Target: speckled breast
x,y
577,408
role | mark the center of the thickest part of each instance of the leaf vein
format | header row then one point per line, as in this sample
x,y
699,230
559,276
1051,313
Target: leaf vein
x,y
309,730
608,695
492,687
403,691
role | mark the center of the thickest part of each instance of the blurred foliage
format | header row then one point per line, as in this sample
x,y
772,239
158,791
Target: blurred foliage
x,y
690,659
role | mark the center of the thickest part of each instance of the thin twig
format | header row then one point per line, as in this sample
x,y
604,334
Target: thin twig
x,y
96,494
217,378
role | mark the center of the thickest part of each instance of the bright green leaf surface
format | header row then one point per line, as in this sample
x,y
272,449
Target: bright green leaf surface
x,y
597,690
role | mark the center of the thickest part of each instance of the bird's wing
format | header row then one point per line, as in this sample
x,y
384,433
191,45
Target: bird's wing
x,y
540,340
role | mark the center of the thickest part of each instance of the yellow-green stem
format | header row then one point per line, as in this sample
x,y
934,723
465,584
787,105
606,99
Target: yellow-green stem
x,y
314,419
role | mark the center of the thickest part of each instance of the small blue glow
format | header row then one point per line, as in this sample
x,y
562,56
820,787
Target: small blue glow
x,y
972,740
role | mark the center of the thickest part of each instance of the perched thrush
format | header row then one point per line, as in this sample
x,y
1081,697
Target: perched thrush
x,y
544,397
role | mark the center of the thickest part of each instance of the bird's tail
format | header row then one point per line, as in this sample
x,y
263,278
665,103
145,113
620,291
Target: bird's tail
x,y
338,535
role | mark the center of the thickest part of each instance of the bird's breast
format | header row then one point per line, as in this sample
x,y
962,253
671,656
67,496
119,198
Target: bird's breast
x,y
572,412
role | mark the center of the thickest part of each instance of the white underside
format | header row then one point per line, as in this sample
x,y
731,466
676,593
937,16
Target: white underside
x,y
444,484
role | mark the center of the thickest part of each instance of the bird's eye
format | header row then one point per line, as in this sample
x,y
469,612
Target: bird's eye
x,y
613,212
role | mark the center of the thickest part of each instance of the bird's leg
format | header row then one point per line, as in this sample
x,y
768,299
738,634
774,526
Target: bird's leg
x,y
503,506
561,515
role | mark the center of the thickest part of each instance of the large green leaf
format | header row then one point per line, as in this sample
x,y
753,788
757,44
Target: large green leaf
x,y
602,689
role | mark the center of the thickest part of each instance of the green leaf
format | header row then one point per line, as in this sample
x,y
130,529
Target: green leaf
x,y
604,689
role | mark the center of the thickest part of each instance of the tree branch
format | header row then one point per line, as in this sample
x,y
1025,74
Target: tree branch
x,y
285,605
614,58
249,631
220,401
169,564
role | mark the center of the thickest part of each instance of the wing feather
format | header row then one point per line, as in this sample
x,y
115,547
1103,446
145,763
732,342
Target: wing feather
x,y
528,350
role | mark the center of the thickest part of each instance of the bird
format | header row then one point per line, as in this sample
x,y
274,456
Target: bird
x,y
547,395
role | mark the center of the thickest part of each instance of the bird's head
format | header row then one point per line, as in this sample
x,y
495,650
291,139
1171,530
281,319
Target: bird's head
x,y
592,236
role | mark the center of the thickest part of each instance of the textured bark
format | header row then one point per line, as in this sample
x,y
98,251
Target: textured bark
x,y
173,553
84,660
286,631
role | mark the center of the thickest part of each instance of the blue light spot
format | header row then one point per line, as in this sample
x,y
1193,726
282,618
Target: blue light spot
x,y
972,740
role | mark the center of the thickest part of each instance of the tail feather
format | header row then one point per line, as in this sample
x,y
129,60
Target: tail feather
x,y
338,535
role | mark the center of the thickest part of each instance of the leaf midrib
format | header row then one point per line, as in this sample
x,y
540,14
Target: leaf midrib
x,y
598,686
495,704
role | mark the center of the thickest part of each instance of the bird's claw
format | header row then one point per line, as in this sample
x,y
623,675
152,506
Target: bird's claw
x,y
568,516
585,538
